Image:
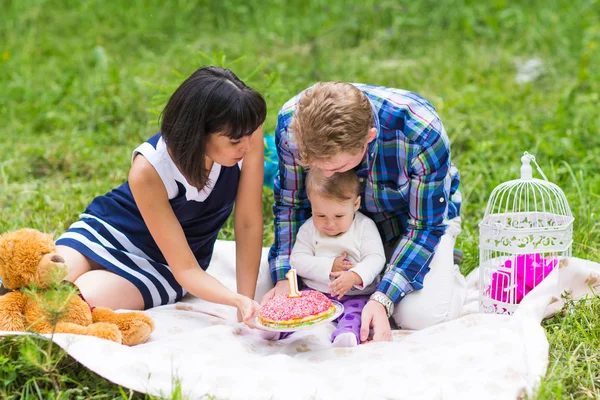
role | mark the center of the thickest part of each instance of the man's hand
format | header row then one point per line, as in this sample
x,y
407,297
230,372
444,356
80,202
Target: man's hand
x,y
374,316
247,309
341,263
280,287
343,282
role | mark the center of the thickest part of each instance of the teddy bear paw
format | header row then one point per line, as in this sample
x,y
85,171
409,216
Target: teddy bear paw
x,y
137,332
105,330
135,326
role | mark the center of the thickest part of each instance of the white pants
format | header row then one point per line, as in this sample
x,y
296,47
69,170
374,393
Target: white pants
x,y
444,288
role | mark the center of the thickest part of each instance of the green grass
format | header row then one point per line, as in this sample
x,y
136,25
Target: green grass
x,y
82,83
30,368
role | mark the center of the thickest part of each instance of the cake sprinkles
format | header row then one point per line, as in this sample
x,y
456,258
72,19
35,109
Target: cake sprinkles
x,y
283,311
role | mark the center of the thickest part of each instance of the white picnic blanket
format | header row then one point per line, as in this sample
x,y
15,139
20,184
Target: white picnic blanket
x,y
202,347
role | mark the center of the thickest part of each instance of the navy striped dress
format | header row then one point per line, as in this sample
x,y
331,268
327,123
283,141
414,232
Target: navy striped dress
x,y
112,232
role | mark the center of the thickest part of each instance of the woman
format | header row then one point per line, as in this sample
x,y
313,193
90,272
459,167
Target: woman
x,y
149,241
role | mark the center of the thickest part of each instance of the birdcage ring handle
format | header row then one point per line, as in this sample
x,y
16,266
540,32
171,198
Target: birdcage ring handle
x,y
527,158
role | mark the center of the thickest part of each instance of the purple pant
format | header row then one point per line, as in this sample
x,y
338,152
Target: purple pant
x,y
350,319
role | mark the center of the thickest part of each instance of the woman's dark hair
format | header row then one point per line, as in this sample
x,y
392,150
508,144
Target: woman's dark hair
x,y
211,100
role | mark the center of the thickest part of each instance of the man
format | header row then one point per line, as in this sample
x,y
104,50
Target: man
x,y
397,145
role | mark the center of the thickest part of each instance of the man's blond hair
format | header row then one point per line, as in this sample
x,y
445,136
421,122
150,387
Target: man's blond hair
x,y
340,186
331,118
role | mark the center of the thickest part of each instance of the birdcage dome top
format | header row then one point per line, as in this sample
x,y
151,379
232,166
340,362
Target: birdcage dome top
x,y
527,203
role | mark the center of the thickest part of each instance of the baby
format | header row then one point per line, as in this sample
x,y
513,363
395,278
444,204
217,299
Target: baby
x,y
338,251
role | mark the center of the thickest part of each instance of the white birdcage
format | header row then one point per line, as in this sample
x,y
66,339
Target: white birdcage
x,y
526,231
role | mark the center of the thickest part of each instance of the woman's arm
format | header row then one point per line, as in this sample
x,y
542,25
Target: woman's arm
x,y
152,200
248,217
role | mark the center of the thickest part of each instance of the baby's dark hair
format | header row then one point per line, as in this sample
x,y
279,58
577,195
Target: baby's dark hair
x,y
211,100
341,186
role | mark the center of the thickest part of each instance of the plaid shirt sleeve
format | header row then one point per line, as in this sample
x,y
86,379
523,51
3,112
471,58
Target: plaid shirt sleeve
x,y
429,192
291,207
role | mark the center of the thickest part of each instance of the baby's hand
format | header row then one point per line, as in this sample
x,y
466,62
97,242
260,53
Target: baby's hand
x,y
344,282
341,263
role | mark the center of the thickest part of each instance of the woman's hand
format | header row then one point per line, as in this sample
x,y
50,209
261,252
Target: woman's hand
x,y
247,310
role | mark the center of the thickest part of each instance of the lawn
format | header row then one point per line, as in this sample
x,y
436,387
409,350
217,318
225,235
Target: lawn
x,y
82,84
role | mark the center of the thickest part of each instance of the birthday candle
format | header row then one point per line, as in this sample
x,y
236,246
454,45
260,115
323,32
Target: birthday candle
x,y
292,283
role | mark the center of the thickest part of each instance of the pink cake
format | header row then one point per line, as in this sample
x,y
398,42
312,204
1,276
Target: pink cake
x,y
289,312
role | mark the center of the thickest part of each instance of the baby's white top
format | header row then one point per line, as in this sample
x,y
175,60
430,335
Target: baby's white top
x,y
313,254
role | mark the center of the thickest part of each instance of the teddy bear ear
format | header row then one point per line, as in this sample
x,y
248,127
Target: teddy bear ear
x,y
9,245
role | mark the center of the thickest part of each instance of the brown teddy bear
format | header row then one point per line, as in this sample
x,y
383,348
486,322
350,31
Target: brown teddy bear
x,y
32,272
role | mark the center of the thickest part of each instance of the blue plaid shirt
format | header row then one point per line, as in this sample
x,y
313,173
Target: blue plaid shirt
x,y
409,186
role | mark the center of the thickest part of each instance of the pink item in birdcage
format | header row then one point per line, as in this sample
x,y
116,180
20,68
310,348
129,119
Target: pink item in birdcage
x,y
531,269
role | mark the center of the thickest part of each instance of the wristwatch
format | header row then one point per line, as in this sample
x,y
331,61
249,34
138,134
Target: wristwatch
x,y
385,301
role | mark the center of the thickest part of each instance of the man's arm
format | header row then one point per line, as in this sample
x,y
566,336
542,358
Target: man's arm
x,y
291,207
428,206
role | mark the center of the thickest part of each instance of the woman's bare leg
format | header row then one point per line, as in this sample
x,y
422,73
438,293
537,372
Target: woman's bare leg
x,y
77,263
102,288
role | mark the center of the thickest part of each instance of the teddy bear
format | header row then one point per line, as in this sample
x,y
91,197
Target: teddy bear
x,y
32,273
